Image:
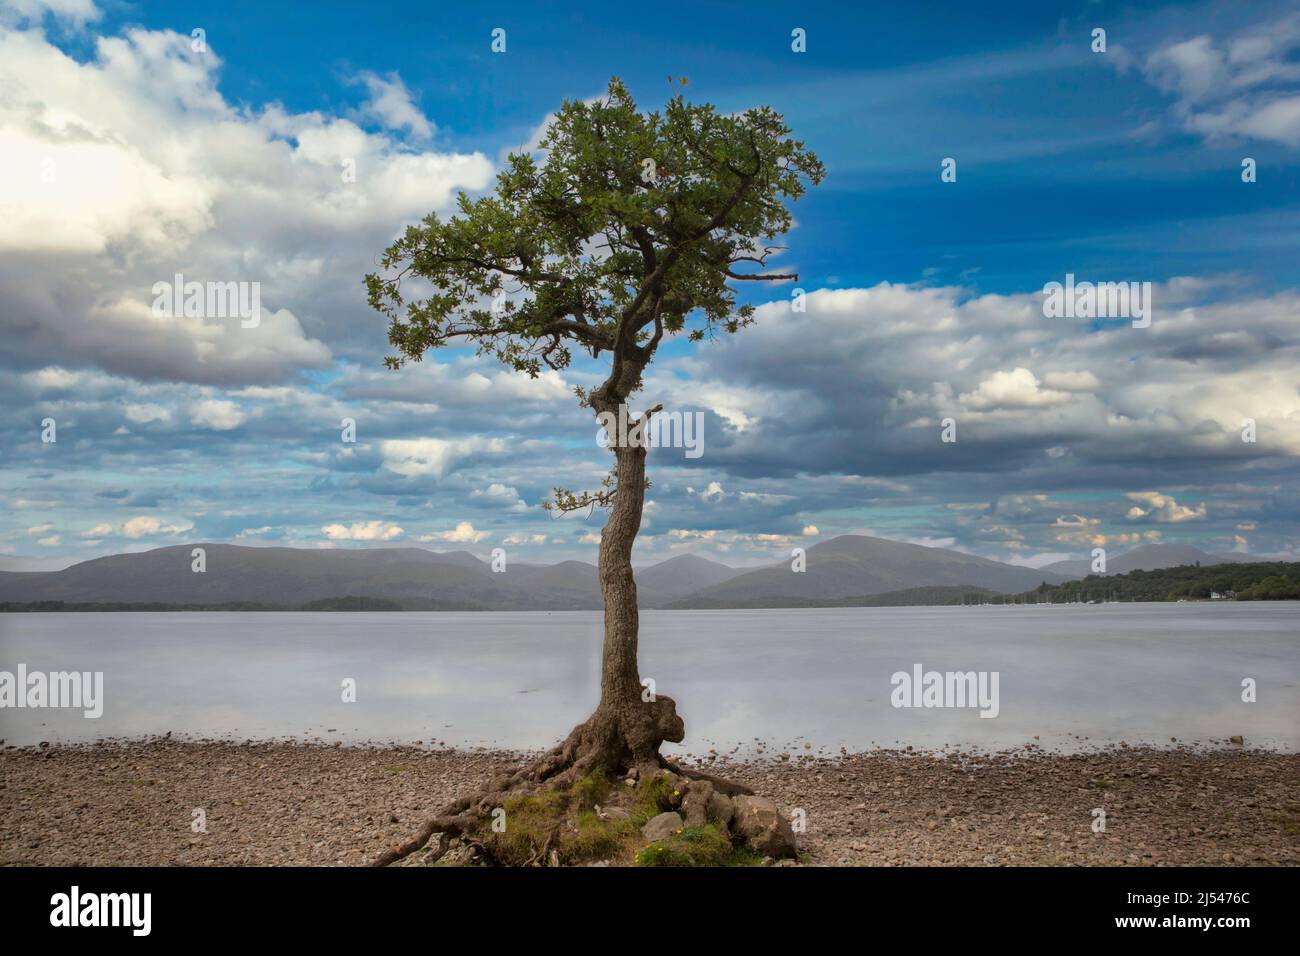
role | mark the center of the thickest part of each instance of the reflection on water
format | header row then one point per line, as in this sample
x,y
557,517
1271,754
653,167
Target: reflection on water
x,y
1069,676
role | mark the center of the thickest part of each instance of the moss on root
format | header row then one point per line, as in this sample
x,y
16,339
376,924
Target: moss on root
x,y
598,839
654,795
565,822
591,790
704,845
532,824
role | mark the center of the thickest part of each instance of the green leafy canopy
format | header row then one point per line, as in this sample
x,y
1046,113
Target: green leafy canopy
x,y
631,227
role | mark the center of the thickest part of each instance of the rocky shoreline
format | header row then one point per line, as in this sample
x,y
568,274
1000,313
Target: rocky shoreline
x,y
134,803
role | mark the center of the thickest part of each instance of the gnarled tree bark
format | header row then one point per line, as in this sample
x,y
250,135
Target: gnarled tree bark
x,y
628,726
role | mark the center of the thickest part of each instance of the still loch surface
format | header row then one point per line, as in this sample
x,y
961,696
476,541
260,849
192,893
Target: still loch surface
x,y
1068,677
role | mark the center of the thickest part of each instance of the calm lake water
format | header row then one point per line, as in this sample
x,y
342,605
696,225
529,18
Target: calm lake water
x,y
1070,676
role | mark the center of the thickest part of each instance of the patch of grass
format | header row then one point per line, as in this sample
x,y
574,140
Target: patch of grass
x,y
598,839
654,795
696,846
564,821
530,823
1291,826
591,790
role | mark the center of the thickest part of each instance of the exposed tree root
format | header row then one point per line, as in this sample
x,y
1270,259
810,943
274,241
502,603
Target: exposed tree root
x,y
613,741
720,784
446,825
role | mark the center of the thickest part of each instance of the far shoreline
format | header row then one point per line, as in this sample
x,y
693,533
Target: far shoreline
x,y
755,754
44,607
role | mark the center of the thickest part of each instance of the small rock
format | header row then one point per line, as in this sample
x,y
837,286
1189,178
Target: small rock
x,y
759,822
721,809
695,803
662,826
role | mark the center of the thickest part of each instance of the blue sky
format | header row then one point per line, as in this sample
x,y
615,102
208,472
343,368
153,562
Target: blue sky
x,y
1066,159
134,157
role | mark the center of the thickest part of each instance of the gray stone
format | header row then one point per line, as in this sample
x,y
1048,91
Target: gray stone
x,y
761,825
662,826
721,809
695,803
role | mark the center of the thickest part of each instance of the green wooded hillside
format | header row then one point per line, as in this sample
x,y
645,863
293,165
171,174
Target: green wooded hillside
x,y
1261,581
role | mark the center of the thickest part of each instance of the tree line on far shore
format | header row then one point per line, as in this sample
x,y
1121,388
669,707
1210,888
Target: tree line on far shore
x,y
1258,581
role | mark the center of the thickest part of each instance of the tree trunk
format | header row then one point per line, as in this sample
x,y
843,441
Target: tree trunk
x,y
630,722
620,681
643,719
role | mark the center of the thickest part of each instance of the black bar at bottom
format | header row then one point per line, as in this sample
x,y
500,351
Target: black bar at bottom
x,y
381,906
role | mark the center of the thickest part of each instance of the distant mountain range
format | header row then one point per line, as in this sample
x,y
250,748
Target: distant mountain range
x,y
853,566
412,578
844,571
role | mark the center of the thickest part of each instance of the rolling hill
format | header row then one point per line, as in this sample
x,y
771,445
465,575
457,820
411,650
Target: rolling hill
x,y
840,570
852,566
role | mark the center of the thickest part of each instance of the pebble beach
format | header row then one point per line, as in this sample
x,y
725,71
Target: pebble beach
x,y
134,803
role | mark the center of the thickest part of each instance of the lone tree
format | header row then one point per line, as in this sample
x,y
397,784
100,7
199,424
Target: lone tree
x,y
635,226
